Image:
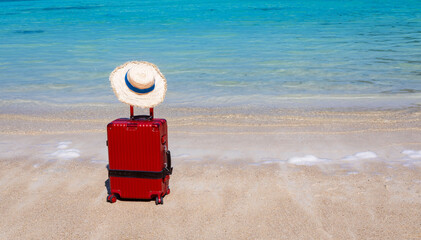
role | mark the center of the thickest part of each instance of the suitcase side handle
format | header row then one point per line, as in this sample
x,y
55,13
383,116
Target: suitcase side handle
x,y
146,117
169,162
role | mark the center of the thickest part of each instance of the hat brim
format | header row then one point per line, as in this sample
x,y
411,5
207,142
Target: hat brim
x,y
125,95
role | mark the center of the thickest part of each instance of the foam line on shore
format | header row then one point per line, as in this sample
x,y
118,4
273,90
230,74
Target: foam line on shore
x,y
36,133
14,117
221,133
299,133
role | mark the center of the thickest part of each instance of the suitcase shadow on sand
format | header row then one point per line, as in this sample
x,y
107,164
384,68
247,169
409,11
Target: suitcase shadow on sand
x,y
107,182
107,186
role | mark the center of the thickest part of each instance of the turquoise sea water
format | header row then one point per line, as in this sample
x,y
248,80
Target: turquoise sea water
x,y
213,53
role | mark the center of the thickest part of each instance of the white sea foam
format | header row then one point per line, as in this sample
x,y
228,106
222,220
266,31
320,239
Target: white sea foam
x,y
307,160
63,145
360,156
98,161
412,154
267,161
270,160
194,159
66,154
182,155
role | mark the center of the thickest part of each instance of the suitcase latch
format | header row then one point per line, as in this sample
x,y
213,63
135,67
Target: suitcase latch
x,y
155,127
131,127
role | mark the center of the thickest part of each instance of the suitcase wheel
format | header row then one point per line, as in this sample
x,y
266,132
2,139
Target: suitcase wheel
x,y
159,200
111,198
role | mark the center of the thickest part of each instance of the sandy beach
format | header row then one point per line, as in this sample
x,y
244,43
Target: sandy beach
x,y
239,173
286,119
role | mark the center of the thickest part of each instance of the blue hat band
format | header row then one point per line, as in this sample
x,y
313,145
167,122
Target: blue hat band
x,y
138,90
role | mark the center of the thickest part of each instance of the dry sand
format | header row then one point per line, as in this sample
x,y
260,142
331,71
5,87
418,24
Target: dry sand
x,y
234,177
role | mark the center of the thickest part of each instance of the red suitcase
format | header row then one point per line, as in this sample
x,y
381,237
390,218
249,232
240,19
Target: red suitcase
x,y
139,159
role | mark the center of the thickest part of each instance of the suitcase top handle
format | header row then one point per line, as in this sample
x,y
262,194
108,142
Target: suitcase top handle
x,y
141,117
146,117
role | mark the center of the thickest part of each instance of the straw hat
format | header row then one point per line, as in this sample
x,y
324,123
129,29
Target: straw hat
x,y
139,84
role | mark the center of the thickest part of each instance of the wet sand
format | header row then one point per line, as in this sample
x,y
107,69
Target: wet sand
x,y
238,174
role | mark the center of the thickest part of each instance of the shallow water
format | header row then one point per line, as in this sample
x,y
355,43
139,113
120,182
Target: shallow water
x,y
213,53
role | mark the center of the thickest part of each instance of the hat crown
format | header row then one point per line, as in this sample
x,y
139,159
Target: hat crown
x,y
141,77
144,73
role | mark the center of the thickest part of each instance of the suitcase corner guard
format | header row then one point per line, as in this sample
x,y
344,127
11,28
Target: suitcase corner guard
x,y
139,174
